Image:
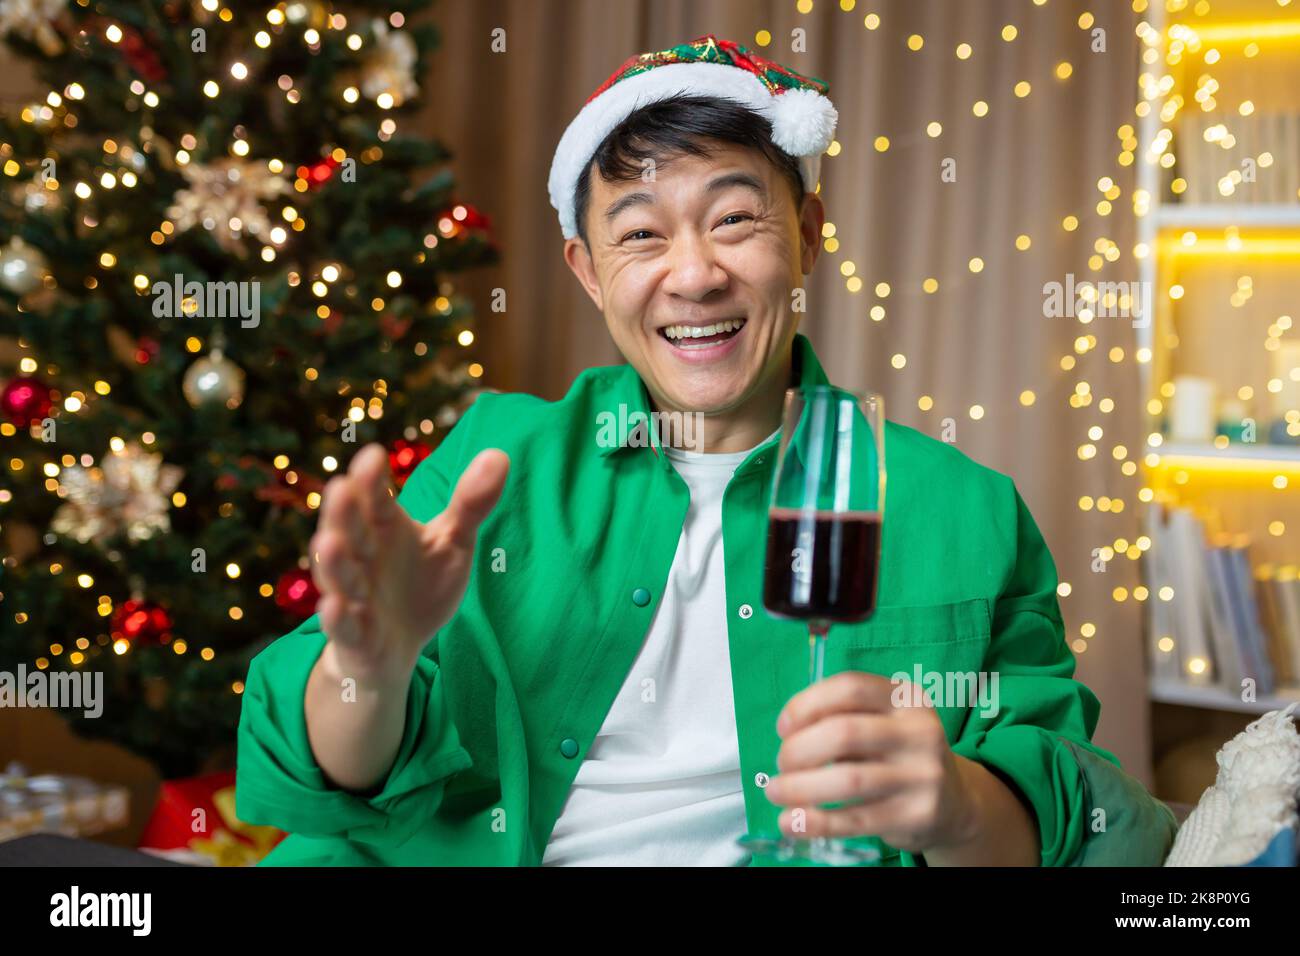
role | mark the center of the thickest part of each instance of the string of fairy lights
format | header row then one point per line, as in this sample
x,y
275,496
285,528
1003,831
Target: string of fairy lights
x,y
1159,91
387,84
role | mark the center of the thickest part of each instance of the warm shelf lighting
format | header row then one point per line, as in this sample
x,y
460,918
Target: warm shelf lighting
x,y
1255,463
1243,31
1278,245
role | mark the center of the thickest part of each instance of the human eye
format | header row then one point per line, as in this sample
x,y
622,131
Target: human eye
x,y
735,218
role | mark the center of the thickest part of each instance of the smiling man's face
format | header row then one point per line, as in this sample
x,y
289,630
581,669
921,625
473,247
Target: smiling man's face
x,y
694,272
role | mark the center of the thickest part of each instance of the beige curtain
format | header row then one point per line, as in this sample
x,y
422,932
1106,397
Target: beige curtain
x,y
982,338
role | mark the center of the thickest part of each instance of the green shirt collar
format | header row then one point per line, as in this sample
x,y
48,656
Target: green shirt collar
x,y
626,403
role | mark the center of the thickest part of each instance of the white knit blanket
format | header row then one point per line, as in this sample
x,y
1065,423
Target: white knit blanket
x,y
1254,796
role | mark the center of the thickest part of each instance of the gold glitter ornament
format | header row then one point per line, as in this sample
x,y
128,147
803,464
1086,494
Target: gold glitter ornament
x,y
129,493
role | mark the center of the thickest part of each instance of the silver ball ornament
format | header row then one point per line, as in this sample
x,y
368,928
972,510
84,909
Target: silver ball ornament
x,y
22,267
214,379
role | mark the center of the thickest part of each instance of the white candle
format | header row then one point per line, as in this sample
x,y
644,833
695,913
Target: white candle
x,y
1286,366
1191,412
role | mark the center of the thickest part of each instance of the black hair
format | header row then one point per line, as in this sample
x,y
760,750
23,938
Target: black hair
x,y
677,126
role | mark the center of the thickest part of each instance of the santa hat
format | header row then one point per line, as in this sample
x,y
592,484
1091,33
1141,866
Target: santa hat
x,y
802,118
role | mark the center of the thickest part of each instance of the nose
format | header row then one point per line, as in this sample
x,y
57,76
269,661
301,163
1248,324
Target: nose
x,y
693,271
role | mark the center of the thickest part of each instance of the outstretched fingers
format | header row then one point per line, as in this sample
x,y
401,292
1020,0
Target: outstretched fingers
x,y
474,497
336,567
370,472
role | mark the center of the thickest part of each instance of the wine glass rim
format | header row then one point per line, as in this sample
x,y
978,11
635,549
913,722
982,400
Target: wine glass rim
x,y
829,389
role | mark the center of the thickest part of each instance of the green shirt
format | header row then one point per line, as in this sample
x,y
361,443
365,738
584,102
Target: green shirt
x,y
570,566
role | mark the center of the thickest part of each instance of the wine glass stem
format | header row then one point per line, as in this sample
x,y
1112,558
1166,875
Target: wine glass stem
x,y
816,665
816,649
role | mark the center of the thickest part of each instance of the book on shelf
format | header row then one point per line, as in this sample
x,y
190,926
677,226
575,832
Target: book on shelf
x,y
1183,651
1223,623
1279,590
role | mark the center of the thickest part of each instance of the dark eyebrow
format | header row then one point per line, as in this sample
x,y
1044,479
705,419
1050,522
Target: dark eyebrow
x,y
744,180
726,181
626,202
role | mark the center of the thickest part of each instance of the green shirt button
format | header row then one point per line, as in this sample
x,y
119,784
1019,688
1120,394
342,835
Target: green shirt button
x,y
569,747
640,597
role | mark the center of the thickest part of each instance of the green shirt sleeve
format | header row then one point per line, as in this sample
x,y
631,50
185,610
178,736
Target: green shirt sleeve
x,y
278,781
1040,704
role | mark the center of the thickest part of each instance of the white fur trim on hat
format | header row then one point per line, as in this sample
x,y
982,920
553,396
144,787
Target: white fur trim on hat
x,y
803,121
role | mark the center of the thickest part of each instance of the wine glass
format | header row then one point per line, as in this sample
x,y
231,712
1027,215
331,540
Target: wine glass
x,y
823,547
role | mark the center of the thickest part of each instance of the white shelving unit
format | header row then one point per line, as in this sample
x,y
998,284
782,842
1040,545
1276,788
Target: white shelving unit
x,y
1282,454
1216,698
1166,217
1210,216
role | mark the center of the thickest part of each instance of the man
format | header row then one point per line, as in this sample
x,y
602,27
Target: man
x,y
552,649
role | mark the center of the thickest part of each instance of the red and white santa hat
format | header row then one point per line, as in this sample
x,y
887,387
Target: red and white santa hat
x,y
802,117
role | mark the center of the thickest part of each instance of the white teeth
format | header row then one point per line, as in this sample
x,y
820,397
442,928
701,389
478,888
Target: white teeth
x,y
699,331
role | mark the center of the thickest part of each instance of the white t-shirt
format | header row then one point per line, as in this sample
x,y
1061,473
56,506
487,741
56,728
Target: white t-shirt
x,y
661,783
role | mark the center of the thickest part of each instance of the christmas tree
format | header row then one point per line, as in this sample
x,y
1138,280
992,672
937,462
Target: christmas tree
x,y
225,260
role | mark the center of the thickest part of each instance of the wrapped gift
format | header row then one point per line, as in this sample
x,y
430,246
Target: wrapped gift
x,y
58,803
194,822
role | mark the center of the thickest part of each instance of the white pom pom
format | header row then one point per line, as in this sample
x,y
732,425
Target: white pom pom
x,y
803,122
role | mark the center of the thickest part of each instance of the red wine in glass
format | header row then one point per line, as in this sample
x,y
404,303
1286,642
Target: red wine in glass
x,y
821,565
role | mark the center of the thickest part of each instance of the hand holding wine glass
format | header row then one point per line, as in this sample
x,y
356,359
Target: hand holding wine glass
x,y
849,740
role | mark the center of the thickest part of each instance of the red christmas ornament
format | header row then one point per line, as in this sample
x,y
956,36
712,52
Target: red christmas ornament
x,y
140,56
296,594
461,218
138,51
141,622
25,400
470,217
404,456
393,327
146,350
318,173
